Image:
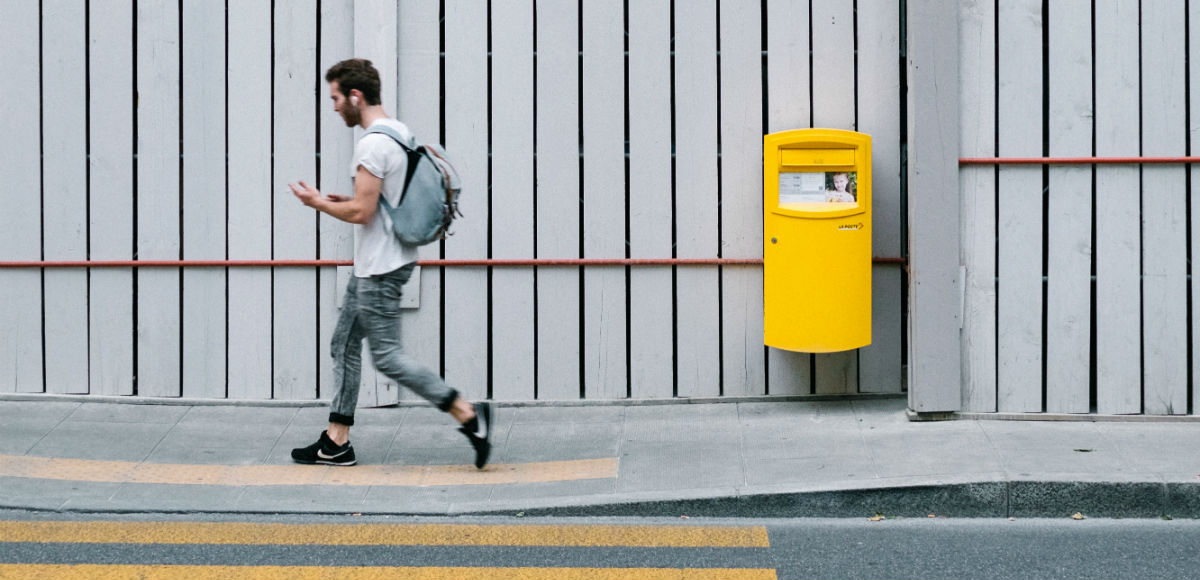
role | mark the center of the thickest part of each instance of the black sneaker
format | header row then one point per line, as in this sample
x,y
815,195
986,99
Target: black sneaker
x,y
479,432
325,452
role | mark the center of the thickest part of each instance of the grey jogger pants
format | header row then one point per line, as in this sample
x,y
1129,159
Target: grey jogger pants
x,y
371,310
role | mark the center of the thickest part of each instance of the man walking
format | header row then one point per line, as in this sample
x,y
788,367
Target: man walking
x,y
382,265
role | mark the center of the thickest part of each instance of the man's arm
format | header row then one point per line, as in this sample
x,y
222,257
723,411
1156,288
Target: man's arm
x,y
359,209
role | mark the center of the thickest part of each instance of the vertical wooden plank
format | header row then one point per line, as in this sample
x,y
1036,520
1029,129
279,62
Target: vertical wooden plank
x,y
336,237
604,198
977,68
204,200
512,198
64,192
833,64
696,203
788,72
1194,137
1019,319
20,289
158,203
833,106
1069,271
790,107
295,342
250,192
375,40
879,104
420,109
1164,209
1118,215
110,227
742,350
651,329
879,365
934,363
558,199
466,289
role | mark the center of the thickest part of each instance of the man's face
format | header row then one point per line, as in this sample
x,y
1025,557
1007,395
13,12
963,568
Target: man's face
x,y
343,106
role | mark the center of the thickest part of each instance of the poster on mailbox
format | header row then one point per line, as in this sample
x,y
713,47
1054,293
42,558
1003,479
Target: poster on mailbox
x,y
818,187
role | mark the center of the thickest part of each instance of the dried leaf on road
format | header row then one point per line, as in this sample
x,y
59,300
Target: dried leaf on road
x,y
1077,516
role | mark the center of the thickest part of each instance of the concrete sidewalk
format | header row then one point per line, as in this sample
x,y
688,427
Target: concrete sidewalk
x,y
846,458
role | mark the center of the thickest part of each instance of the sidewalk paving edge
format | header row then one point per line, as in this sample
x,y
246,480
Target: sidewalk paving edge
x,y
984,498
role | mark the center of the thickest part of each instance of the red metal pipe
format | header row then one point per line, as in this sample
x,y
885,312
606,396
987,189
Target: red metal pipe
x,y
598,262
1075,160
429,263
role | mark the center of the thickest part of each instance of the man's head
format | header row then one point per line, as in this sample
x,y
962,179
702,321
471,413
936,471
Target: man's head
x,y
353,84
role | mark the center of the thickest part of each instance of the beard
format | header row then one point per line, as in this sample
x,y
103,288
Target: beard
x,y
351,115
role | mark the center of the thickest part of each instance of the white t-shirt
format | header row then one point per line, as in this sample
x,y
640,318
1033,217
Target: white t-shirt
x,y
376,249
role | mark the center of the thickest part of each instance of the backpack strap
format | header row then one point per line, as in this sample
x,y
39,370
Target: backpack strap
x,y
413,157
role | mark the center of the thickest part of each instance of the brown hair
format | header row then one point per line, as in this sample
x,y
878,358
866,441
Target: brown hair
x,y
356,73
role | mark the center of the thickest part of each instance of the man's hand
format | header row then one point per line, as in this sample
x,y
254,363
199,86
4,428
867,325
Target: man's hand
x,y
307,194
356,209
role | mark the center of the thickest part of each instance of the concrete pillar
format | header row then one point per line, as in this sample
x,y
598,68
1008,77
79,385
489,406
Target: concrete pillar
x,y
934,299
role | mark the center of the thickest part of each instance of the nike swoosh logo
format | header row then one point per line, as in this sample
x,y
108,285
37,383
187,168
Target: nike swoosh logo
x,y
324,455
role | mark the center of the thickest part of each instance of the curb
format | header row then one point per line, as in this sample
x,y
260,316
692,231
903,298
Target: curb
x,y
927,417
1024,499
988,499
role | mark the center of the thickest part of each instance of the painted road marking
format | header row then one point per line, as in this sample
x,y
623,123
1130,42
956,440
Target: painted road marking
x,y
127,572
34,467
384,534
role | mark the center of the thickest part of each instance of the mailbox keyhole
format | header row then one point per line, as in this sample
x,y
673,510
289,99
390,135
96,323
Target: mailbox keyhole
x,y
773,240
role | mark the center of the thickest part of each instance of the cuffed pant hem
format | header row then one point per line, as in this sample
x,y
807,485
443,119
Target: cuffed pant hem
x,y
341,419
448,401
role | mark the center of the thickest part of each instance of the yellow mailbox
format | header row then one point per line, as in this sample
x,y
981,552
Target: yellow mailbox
x,y
817,240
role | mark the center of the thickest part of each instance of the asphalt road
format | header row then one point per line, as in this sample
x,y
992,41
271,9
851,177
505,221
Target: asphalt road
x,y
110,546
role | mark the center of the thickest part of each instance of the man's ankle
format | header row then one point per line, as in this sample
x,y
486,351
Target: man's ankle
x,y
462,410
339,434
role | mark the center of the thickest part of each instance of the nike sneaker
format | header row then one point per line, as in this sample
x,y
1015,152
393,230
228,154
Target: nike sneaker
x,y
325,452
479,431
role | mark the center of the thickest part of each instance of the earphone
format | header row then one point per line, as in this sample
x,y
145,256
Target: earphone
x,y
354,100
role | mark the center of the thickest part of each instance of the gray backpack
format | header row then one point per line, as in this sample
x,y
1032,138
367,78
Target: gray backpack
x,y
429,199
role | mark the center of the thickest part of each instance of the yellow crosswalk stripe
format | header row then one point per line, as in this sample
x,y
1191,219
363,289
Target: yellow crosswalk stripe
x,y
127,572
656,536
33,467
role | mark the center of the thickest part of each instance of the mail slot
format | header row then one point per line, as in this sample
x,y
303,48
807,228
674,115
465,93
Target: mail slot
x,y
810,157
817,240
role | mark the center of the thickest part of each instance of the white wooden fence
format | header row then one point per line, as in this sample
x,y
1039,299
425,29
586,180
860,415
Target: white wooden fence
x,y
593,129
1078,292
